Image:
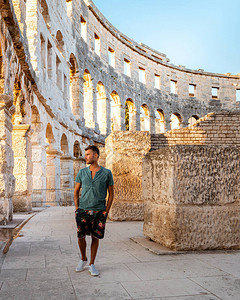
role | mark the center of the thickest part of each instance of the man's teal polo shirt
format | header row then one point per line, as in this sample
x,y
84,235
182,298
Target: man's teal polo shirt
x,y
94,191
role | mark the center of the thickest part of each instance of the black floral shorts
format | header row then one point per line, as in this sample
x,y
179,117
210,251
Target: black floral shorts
x,y
90,222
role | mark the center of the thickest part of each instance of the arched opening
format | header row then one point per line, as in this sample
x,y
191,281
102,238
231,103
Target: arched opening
x,y
38,155
115,111
192,120
130,115
19,102
76,150
74,87
45,14
60,42
64,145
159,121
88,99
49,135
175,120
144,118
52,168
101,108
79,161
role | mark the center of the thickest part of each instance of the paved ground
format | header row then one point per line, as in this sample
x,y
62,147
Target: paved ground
x,y
40,265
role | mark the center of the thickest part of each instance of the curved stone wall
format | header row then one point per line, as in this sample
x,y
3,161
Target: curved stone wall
x,y
74,78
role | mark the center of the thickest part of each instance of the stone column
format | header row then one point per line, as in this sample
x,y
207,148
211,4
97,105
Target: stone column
x,y
152,123
124,153
75,96
102,114
53,172
167,123
7,180
67,180
117,117
22,167
122,117
39,173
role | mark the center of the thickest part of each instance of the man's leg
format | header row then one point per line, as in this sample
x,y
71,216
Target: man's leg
x,y
82,246
94,248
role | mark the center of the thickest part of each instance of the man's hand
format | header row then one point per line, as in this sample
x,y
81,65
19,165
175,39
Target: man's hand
x,y
76,194
110,198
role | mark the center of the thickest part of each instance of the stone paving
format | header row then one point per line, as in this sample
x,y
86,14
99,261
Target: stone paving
x,y
40,264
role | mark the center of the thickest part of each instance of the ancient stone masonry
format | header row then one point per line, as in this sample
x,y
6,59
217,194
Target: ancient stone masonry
x,y
191,196
73,79
125,151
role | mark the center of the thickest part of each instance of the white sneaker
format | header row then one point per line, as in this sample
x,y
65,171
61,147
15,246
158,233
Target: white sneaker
x,y
93,270
81,265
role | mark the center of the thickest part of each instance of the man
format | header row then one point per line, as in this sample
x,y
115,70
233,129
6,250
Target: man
x,y
91,210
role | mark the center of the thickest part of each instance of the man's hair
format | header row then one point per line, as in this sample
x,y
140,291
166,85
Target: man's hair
x,y
94,149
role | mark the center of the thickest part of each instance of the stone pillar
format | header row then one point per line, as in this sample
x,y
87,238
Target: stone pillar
x,y
78,163
75,95
134,120
7,180
152,124
53,172
22,167
122,116
191,196
102,114
67,172
124,153
167,123
108,116
39,174
67,180
116,113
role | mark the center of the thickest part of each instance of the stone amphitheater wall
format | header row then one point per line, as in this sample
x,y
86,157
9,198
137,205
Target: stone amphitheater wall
x,y
64,92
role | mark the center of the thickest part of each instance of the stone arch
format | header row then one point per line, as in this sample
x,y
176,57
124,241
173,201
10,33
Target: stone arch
x,y
74,86
60,42
130,115
175,120
192,120
45,13
79,161
67,172
49,135
38,159
52,168
88,99
101,108
115,111
144,118
64,144
159,121
19,102
77,150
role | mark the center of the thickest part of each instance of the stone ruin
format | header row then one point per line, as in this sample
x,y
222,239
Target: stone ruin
x,y
184,183
68,79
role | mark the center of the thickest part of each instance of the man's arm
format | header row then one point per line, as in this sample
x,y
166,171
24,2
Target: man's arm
x,y
76,194
110,197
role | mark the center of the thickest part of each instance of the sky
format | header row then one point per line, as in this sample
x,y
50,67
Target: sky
x,y
199,34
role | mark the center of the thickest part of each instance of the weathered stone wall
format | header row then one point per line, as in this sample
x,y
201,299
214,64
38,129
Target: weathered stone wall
x,y
191,196
63,90
214,129
125,151
7,180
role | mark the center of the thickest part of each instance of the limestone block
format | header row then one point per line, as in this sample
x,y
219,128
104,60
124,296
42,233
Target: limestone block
x,y
193,227
193,201
125,151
